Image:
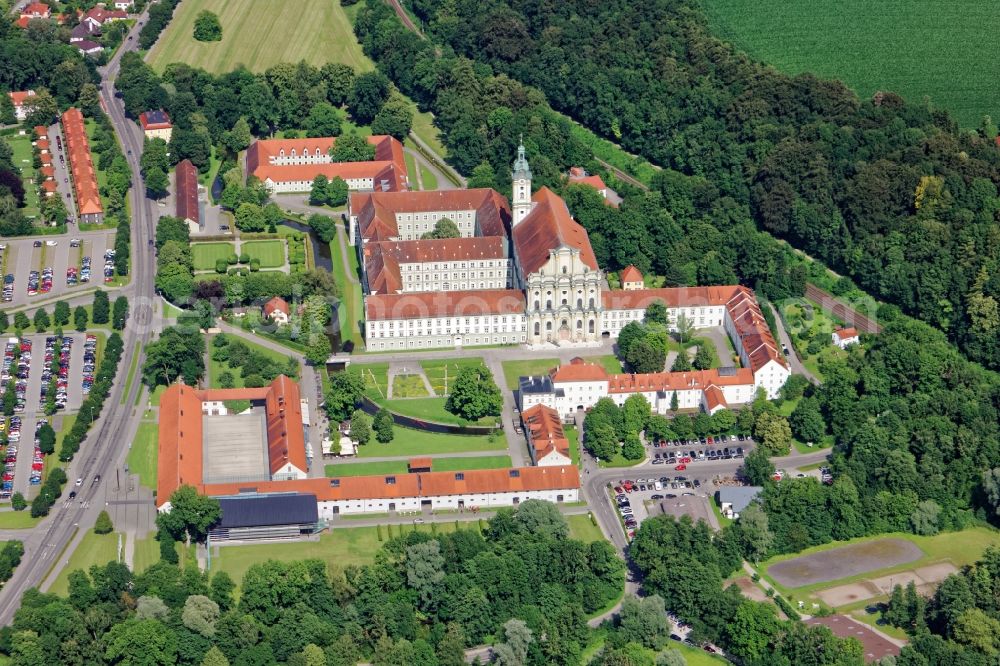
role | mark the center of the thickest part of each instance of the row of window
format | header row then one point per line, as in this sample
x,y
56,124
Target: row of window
x,y
449,341
456,216
452,265
448,321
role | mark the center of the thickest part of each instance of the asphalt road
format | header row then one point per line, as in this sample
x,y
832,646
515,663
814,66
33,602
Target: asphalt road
x,y
105,447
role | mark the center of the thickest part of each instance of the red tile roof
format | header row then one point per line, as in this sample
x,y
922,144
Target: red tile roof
x,y
180,431
376,211
36,10
579,370
579,175
672,297
49,185
186,189
548,227
417,305
389,163
154,120
88,199
545,431
19,97
102,15
48,171
630,274
382,259
276,303
714,397
396,486
845,333
752,329
41,130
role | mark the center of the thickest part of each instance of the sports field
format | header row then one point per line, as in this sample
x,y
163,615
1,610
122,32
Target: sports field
x,y
261,33
942,50
271,253
203,255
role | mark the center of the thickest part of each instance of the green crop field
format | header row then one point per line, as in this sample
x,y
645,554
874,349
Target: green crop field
x,y
203,255
916,48
261,33
270,252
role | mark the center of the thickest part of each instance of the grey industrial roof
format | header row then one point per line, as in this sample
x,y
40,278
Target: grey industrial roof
x,y
270,509
738,496
536,384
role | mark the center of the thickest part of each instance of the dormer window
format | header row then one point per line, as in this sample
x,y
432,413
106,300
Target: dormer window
x,y
390,480
459,476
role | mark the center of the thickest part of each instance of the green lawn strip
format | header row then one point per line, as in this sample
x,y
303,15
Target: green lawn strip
x,y
339,548
723,521
131,373
411,169
142,456
583,529
154,397
514,370
271,253
612,153
17,520
574,444
316,31
350,295
408,386
410,442
427,176
874,620
204,255
24,159
376,376
214,163
147,553
609,362
426,131
429,409
441,373
710,345
958,548
619,461
366,468
477,462
93,549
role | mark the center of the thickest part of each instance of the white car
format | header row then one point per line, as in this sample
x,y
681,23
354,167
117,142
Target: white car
x,y
52,243
79,481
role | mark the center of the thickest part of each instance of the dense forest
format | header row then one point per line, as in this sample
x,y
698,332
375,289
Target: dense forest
x,y
891,193
522,584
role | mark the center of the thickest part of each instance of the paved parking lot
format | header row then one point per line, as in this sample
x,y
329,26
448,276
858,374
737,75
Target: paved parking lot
x,y
65,188
672,453
20,257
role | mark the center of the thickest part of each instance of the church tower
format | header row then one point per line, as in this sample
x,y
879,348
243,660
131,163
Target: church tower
x,y
521,204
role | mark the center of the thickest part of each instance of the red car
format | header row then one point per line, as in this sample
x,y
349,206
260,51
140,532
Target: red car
x,y
680,468
684,460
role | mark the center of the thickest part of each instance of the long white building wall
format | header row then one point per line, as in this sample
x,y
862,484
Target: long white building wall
x,y
329,509
466,275
430,332
412,226
281,186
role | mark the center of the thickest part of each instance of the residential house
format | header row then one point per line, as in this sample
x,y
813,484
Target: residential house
x,y
277,310
88,198
631,278
186,194
845,337
19,100
734,499
156,125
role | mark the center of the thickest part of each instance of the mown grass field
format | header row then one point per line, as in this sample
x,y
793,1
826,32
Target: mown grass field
x,y
204,255
410,442
917,48
271,253
441,373
401,466
23,158
142,456
258,34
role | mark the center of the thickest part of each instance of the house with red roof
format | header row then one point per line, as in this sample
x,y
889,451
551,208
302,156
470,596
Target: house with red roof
x,y
19,100
188,207
88,199
156,125
631,278
277,310
290,165
580,176
845,337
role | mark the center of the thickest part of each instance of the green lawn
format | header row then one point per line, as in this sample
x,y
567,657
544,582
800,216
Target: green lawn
x,y
513,370
692,656
408,386
428,178
609,361
479,462
131,373
958,548
214,164
411,169
147,553
889,45
400,466
17,520
376,376
574,444
271,253
423,127
142,456
410,442
94,549
581,528
339,548
317,31
430,409
204,255
442,372
23,159
351,301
